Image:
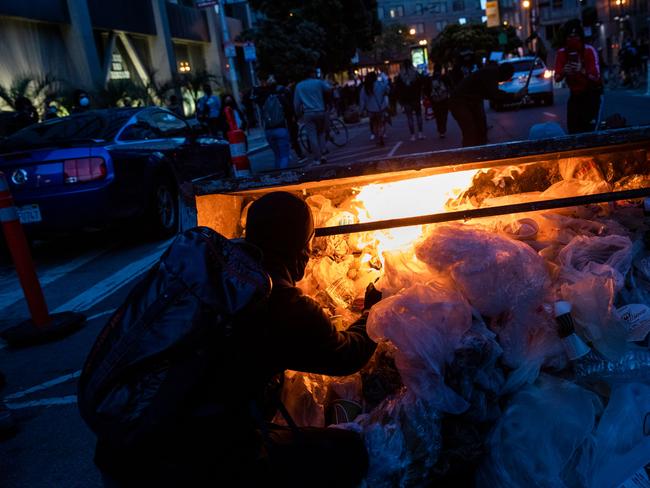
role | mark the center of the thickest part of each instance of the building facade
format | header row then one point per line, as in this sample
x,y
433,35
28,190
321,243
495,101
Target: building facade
x,y
427,19
87,43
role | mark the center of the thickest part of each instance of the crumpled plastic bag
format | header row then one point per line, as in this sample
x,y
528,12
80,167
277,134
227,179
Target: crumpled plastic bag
x,y
305,395
592,299
622,438
401,270
474,374
496,274
541,437
530,341
426,324
574,188
402,436
607,256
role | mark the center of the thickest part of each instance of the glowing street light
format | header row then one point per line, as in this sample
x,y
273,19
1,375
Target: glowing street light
x,y
413,31
526,4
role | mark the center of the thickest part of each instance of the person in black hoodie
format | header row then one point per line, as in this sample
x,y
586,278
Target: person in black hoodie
x,y
226,438
467,101
296,334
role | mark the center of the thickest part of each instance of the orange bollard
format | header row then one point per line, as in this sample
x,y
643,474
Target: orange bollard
x,y
237,139
19,249
42,327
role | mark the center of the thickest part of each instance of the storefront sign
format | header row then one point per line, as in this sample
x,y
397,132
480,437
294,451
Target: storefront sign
x,y
249,52
492,13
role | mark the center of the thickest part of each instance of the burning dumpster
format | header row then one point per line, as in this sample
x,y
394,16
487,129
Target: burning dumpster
x,y
513,334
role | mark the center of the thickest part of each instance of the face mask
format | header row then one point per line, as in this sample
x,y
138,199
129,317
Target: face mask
x,y
84,101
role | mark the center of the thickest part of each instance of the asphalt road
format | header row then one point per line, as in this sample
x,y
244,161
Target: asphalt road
x,y
92,273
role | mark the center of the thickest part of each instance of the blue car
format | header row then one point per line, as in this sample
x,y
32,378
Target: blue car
x,y
102,166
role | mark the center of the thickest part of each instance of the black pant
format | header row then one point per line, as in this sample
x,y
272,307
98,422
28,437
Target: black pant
x,y
470,115
314,457
441,112
582,111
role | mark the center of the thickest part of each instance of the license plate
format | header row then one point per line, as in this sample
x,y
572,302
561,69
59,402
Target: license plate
x,y
29,214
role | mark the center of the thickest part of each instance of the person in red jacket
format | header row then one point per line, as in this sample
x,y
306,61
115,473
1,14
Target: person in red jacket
x,y
577,63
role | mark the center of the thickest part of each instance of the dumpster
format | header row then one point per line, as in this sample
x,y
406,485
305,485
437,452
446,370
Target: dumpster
x,y
513,334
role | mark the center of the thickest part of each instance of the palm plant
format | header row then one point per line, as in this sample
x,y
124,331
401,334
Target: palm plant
x,y
36,88
123,93
192,85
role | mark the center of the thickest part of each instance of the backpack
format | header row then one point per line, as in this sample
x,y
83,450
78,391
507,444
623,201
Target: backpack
x,y
439,90
157,348
273,112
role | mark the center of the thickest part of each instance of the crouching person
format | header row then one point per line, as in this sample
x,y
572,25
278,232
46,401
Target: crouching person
x,y
219,431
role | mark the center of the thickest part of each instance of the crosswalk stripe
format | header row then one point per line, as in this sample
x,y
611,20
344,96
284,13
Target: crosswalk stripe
x,y
45,402
109,285
44,386
9,297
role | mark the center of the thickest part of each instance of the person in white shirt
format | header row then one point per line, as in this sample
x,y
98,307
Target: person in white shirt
x,y
208,109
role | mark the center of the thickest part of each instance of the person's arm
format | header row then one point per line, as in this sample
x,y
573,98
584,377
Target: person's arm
x,y
591,67
313,345
491,83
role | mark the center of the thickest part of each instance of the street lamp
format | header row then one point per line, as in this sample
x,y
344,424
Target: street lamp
x,y
526,5
413,31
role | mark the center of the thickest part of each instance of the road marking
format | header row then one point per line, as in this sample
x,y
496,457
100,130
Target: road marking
x,y
108,286
550,114
100,314
45,402
395,148
48,276
44,386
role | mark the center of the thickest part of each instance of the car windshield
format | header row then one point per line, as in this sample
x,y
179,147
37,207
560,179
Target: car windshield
x,y
100,126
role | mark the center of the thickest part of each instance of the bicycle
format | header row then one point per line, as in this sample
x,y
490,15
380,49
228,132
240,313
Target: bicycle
x,y
336,133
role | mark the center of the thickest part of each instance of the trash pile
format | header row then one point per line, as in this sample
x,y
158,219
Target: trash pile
x,y
513,350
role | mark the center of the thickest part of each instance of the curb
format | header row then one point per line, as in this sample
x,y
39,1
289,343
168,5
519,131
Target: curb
x,y
258,149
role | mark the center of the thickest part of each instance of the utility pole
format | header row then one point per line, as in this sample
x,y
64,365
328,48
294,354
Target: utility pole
x,y
232,72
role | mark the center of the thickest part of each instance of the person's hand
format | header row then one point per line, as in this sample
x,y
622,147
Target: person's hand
x,y
372,297
571,68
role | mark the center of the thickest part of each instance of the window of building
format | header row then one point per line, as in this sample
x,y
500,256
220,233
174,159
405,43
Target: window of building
x,y
438,8
380,12
458,5
419,28
558,4
440,25
395,12
462,21
419,9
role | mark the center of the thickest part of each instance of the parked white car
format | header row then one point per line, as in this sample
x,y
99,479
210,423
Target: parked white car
x,y
540,88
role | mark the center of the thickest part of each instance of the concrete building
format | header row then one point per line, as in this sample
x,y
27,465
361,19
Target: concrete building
x,y
86,43
428,19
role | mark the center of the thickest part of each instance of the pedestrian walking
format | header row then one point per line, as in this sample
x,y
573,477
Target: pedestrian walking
x,y
374,100
273,101
467,100
208,109
309,105
409,94
577,63
439,95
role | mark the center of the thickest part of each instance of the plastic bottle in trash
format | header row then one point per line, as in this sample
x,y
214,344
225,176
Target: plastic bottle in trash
x,y
588,364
